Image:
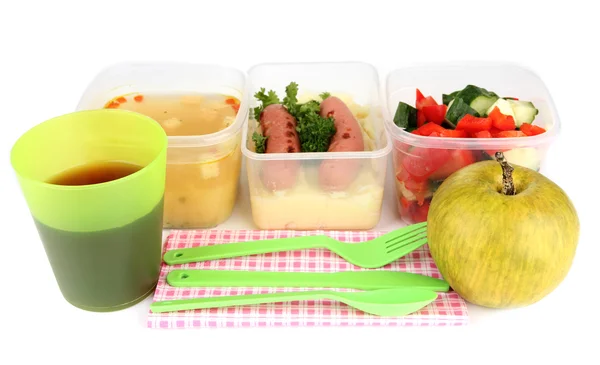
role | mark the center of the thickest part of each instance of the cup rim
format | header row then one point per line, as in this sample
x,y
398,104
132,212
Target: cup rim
x,y
154,124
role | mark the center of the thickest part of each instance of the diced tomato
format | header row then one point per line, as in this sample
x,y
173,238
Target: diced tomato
x,y
405,207
422,162
112,105
487,134
501,121
494,131
471,123
121,100
531,130
435,134
230,101
421,119
458,159
510,134
435,113
420,212
452,133
419,97
416,186
428,101
428,128
402,174
138,98
482,134
419,189
405,202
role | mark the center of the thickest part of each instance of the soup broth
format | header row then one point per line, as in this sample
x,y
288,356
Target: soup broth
x,y
183,115
202,182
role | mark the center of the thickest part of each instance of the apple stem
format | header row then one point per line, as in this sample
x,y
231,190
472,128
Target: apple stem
x,y
508,186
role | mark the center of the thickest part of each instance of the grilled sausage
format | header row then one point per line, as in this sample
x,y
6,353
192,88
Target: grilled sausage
x,y
279,126
335,175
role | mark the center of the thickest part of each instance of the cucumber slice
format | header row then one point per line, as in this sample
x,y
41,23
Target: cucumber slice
x,y
459,109
447,124
504,106
526,157
482,103
478,98
523,111
447,98
406,116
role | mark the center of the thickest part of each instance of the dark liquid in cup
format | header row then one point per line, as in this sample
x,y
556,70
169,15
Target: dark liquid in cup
x,y
110,269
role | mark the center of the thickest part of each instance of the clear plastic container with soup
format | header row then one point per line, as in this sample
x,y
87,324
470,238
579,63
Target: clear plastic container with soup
x,y
515,116
299,186
202,108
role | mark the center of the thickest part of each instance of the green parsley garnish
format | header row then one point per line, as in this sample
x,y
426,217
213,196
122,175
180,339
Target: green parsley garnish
x,y
314,131
260,142
266,99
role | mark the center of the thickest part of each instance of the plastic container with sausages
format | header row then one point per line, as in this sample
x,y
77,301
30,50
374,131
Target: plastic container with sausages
x,y
202,108
340,188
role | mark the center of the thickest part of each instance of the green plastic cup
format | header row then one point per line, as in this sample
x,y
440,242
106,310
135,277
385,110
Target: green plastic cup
x,y
103,241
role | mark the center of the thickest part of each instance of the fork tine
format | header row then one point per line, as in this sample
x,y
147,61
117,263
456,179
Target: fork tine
x,y
414,244
409,229
405,237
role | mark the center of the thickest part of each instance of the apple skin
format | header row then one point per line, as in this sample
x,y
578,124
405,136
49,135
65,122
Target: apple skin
x,y
502,251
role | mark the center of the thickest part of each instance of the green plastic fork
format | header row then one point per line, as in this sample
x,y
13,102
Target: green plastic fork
x,y
369,254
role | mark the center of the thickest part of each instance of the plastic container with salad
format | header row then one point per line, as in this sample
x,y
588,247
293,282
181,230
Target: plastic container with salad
x,y
315,146
202,108
443,117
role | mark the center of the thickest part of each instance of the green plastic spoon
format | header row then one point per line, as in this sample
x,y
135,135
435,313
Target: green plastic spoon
x,y
383,302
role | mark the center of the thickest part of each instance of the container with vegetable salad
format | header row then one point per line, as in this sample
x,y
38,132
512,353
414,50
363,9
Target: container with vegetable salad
x,y
436,135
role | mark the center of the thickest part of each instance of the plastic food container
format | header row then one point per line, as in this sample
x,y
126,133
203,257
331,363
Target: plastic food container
x,y
508,80
307,205
202,170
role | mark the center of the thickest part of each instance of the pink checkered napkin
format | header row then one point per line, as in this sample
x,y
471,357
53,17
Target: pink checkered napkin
x,y
447,310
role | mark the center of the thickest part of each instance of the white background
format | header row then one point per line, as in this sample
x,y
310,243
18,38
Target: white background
x,y
52,49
